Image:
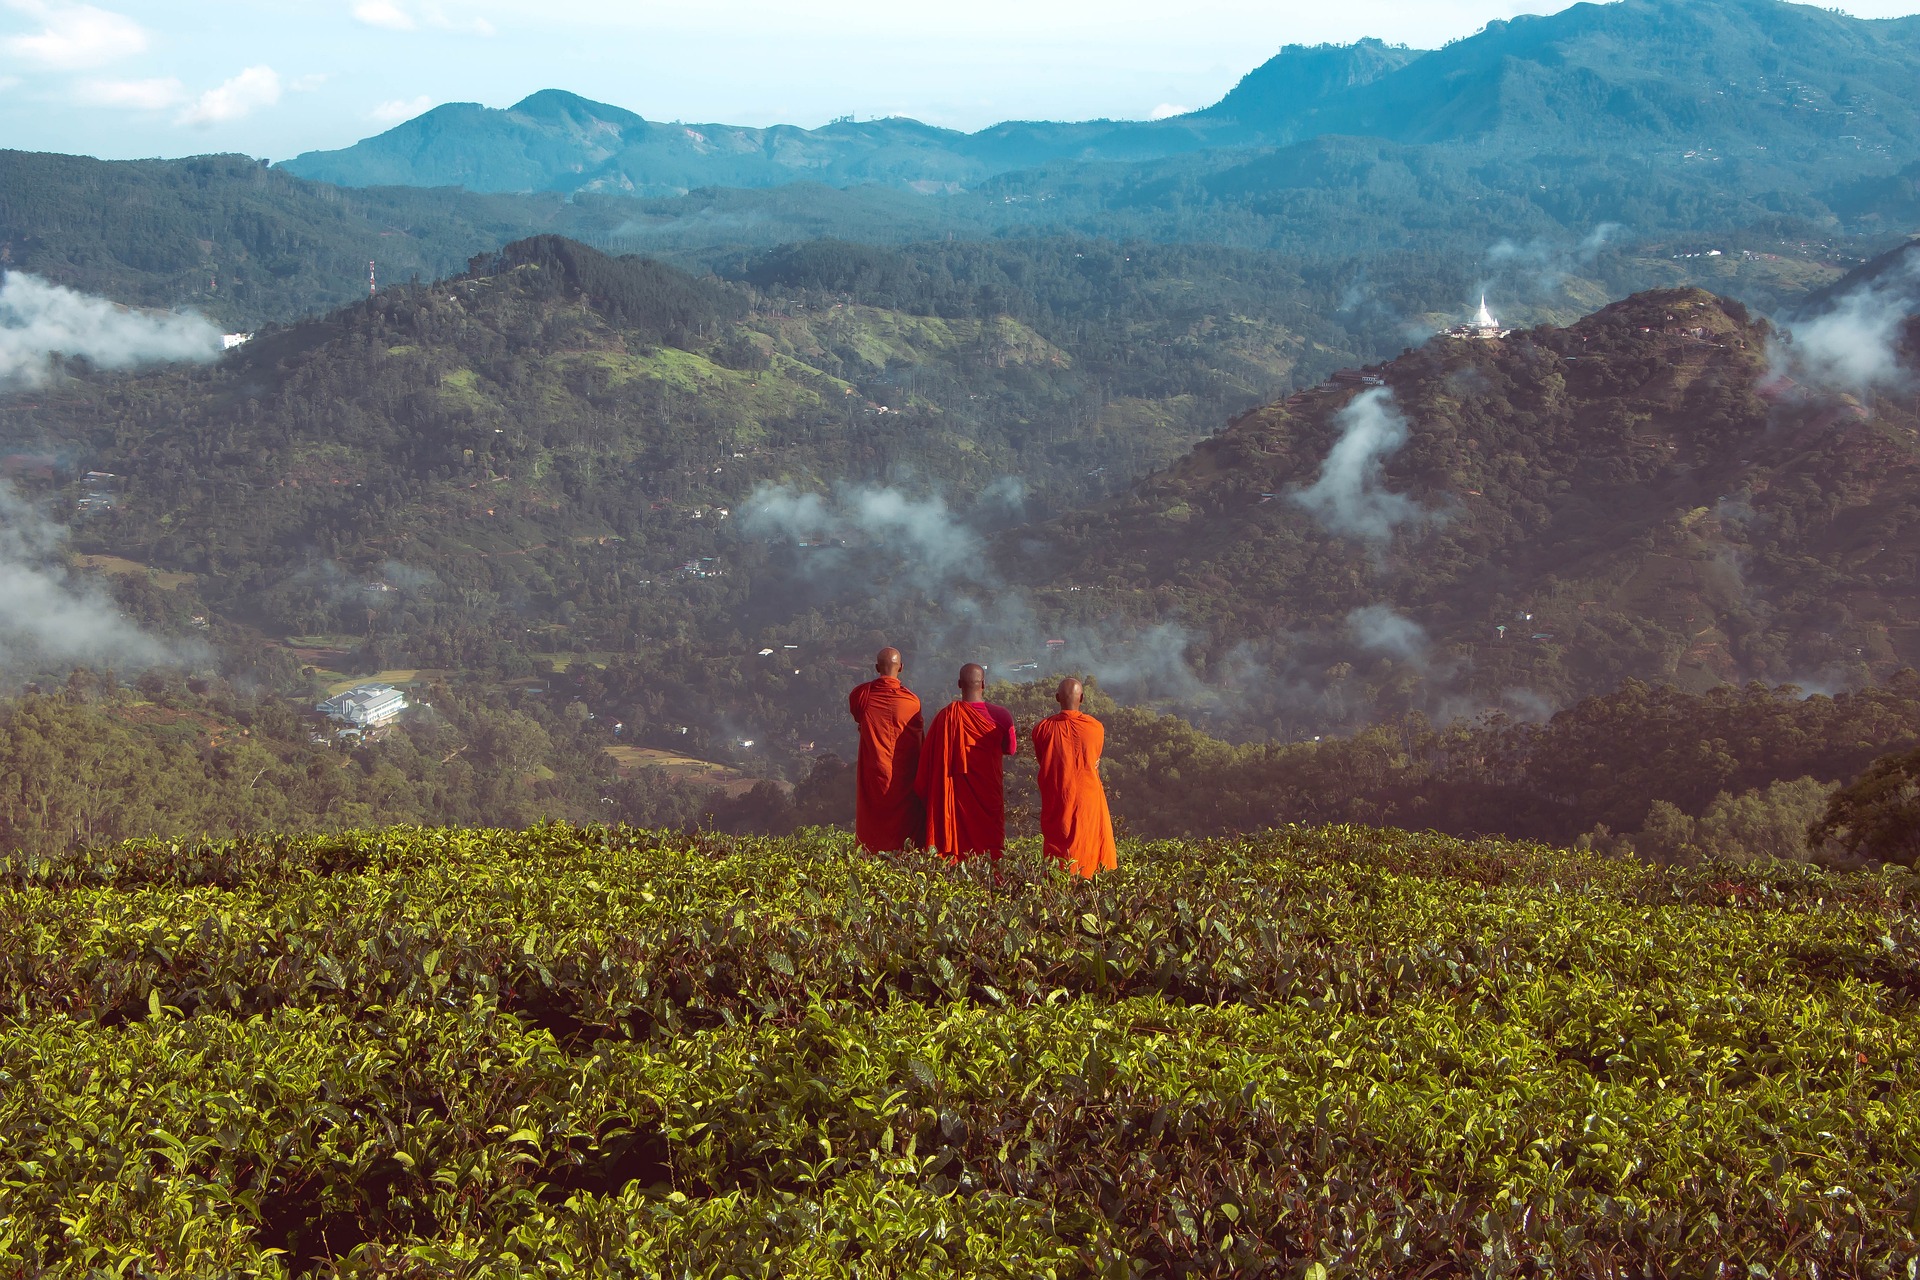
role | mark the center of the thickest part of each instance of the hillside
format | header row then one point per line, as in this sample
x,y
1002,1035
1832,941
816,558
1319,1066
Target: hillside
x,y
550,457
564,461
1639,494
239,242
574,1049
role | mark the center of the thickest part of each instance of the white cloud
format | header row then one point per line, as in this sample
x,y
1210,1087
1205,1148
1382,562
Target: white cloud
x,y
384,13
1166,111
1348,496
49,620
307,83
400,109
137,95
394,16
437,16
238,98
75,37
38,319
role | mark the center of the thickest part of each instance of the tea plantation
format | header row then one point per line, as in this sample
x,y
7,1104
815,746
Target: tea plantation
x,y
1341,1052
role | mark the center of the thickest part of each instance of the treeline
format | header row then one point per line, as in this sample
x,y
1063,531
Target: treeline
x,y
1649,771
241,242
1653,770
95,762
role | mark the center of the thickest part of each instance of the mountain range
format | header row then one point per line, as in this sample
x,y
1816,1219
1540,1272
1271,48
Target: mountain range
x,y
1754,89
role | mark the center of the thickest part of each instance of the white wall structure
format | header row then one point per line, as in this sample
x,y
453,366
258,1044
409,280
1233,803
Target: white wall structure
x,y
366,706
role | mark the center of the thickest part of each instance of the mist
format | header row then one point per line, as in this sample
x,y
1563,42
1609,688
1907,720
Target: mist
x,y
1348,498
921,536
1538,270
1379,628
40,321
49,620
1855,344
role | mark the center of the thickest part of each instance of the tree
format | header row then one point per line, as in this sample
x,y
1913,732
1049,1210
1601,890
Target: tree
x,y
1877,818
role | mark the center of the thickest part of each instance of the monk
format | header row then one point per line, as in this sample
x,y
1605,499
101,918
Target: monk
x,y
962,772
1075,824
886,812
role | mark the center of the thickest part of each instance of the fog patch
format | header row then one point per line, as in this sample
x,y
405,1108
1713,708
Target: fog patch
x,y
1382,629
1348,497
922,535
40,322
1854,345
1537,270
52,620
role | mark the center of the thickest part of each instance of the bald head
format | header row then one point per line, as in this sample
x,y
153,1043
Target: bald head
x,y
973,682
888,661
1069,693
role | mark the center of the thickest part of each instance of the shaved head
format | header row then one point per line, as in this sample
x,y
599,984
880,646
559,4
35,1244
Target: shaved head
x,y
1069,693
973,681
888,661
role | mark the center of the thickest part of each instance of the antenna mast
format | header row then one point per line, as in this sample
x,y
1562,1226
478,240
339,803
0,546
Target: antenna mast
x,y
371,287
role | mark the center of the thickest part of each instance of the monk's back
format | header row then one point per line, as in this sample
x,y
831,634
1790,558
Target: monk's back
x,y
962,778
886,810
1076,825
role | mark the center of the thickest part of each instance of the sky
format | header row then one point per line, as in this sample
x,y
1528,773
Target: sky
x,y
273,78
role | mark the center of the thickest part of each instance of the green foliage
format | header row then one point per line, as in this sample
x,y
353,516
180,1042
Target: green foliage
x,y
97,764
1878,815
1769,824
1614,499
236,240
612,1051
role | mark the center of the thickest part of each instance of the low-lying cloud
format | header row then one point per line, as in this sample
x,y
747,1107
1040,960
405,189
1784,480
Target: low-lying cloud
x,y
923,534
39,321
49,620
1855,344
1380,628
1349,497
1538,269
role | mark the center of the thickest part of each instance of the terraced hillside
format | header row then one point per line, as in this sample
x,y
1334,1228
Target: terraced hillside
x,y
1342,1052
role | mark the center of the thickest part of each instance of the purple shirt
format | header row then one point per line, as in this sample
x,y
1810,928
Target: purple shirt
x,y
1003,720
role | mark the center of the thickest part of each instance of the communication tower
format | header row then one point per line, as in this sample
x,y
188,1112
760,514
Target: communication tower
x,y
372,288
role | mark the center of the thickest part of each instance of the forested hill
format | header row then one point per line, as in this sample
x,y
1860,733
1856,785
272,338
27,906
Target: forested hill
x,y
547,454
1663,490
1754,93
240,242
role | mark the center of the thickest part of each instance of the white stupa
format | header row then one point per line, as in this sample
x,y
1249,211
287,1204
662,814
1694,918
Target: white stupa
x,y
1484,325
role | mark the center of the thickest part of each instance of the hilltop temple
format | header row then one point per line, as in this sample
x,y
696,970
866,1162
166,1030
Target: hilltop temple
x,y
1484,325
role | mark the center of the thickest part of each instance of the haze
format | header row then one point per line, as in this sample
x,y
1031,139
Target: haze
x,y
175,78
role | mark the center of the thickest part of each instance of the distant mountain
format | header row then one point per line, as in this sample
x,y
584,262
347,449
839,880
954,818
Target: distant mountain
x,y
557,141
1746,89
1302,79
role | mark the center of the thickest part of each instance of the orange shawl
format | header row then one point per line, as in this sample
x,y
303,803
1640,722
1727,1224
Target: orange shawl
x,y
886,812
1075,824
962,782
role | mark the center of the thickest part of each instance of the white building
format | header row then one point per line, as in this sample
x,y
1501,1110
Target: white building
x,y
366,707
1484,325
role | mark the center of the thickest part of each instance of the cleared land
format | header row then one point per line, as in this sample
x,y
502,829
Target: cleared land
x,y
682,768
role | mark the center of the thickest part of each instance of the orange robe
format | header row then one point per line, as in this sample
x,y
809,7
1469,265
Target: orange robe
x,y
886,812
1075,823
962,780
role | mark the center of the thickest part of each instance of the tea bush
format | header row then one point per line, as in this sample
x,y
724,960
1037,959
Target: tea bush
x,y
1337,1052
